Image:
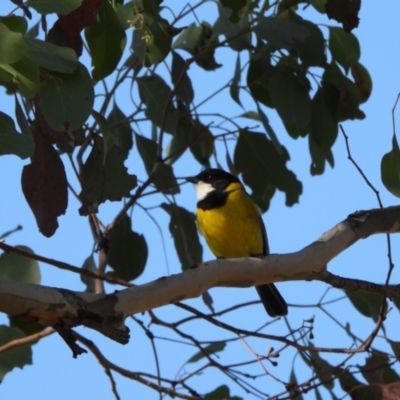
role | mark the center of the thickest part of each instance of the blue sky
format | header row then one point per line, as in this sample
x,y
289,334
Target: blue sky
x,y
326,200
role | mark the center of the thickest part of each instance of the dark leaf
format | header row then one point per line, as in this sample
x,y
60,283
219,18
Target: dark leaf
x,y
156,95
12,142
281,33
181,80
319,157
183,229
368,304
120,129
18,356
106,40
259,76
324,127
128,251
234,87
268,129
344,11
221,393
390,169
264,169
342,91
290,96
202,142
163,174
107,180
44,184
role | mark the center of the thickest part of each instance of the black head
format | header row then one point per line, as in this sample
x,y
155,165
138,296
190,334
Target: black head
x,y
217,178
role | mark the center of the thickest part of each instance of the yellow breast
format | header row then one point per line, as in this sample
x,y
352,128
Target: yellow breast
x,y
235,229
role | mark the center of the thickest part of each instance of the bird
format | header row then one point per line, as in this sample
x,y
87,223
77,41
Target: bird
x,y
232,226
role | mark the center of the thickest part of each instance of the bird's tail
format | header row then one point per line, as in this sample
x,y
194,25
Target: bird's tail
x,y
274,303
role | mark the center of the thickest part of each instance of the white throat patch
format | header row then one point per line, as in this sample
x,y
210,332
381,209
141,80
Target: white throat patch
x,y
202,189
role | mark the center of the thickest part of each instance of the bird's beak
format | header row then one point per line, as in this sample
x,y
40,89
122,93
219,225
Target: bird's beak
x,y
192,179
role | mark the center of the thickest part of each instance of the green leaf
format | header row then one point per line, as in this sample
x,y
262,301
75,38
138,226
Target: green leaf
x,y
12,45
256,157
344,47
293,384
237,36
120,129
320,366
25,77
319,5
52,57
67,99
212,348
158,42
54,6
125,15
356,389
128,251
362,80
236,7
105,181
234,87
156,94
221,393
199,40
18,356
390,169
280,33
26,326
15,23
12,142
291,98
163,174
18,268
106,40
368,304
183,84
89,265
182,226
324,127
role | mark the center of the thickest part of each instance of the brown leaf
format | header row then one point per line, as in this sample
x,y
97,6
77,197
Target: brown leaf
x,y
344,11
390,391
44,184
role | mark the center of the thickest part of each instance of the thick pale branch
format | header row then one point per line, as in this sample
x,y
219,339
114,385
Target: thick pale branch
x,y
64,309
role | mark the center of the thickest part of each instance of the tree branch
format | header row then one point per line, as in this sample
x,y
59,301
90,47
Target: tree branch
x,y
61,308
